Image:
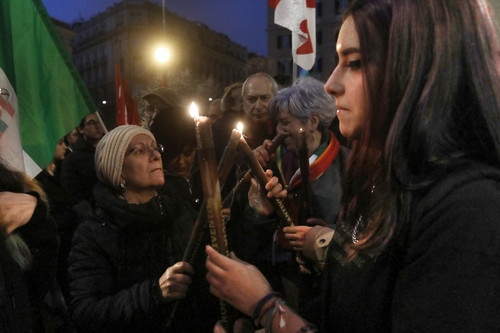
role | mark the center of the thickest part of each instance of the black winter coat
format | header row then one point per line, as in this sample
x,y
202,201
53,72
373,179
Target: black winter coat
x,y
78,175
119,253
21,290
442,276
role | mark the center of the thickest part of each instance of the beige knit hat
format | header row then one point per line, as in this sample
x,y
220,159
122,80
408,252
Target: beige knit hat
x,y
110,152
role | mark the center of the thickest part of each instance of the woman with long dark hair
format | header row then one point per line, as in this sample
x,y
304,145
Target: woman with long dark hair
x,y
417,92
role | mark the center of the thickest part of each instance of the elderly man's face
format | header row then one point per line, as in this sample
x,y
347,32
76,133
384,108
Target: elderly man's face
x,y
256,97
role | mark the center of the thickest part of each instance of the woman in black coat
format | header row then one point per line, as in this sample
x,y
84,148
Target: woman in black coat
x,y
124,267
28,252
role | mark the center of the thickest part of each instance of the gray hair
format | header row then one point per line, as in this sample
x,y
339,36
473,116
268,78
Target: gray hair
x,y
18,250
274,85
305,97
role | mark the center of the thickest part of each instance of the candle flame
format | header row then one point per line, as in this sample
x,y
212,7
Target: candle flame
x,y
239,127
193,110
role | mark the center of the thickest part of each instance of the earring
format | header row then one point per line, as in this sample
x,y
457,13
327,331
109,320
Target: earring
x,y
122,186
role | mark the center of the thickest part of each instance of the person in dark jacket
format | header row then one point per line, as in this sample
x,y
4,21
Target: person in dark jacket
x,y
232,113
78,172
124,267
173,127
28,253
417,243
60,209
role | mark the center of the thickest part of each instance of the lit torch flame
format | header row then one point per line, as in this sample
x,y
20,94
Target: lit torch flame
x,y
239,127
193,110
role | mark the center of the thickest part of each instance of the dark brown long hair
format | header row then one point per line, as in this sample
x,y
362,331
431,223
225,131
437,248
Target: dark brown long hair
x,y
434,86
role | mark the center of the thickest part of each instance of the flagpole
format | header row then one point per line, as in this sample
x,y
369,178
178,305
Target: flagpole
x,y
294,71
101,122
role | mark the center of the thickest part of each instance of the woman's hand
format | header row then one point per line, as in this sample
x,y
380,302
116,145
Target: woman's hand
x,y
240,284
16,210
296,235
262,153
174,283
256,198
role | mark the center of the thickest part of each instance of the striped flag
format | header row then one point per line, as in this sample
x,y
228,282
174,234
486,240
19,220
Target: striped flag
x,y
298,16
42,83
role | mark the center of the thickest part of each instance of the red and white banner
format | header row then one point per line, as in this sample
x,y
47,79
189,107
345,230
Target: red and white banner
x,y
126,106
121,105
11,151
298,16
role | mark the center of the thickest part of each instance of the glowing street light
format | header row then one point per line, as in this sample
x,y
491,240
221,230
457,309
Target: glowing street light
x,y
162,54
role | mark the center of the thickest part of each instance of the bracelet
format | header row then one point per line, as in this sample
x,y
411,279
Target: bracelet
x,y
262,302
268,325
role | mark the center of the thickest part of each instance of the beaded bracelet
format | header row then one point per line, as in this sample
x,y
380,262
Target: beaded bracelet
x,y
262,302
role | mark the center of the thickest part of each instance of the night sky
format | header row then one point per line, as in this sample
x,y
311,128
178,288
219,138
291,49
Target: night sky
x,y
244,21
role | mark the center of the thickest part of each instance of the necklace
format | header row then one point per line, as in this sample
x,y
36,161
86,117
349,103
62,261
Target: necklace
x,y
355,231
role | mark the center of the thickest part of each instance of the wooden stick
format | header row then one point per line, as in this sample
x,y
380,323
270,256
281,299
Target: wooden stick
x,y
211,193
259,173
307,208
277,141
225,164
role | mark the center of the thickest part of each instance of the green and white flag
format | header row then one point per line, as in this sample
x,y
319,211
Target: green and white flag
x,y
37,68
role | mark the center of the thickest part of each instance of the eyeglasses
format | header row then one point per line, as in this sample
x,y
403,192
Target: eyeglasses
x,y
142,149
92,123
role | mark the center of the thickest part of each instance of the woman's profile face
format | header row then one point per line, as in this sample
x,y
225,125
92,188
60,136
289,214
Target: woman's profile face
x,y
288,122
142,165
60,150
346,83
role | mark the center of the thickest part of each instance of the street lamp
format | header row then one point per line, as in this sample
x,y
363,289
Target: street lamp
x,y
162,54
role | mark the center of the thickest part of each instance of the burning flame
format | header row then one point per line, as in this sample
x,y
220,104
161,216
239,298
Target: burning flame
x,y
239,127
193,110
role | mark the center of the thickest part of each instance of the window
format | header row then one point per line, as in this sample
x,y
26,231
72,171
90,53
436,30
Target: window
x,y
119,20
284,42
285,66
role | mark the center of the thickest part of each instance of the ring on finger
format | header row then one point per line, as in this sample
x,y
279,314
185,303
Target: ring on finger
x,y
293,243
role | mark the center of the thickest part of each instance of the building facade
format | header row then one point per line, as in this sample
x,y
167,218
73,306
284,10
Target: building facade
x,y
126,35
328,21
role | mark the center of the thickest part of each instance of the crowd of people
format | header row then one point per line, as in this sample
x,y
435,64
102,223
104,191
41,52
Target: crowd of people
x,y
380,213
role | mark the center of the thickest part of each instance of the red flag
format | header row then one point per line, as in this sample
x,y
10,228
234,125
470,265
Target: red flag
x,y
132,114
121,104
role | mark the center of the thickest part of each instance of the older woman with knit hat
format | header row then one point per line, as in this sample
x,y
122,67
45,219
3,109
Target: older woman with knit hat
x,y
124,267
